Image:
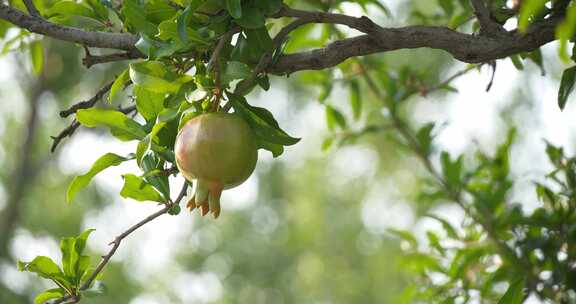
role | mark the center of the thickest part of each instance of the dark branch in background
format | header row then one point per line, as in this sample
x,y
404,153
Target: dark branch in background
x,y
31,8
68,131
483,220
464,47
362,24
487,24
88,103
116,244
121,41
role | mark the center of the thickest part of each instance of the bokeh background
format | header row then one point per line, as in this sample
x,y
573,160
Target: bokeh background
x,y
308,227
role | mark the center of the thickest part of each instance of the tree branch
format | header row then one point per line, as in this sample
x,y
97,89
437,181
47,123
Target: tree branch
x,y
464,47
91,60
484,16
88,103
116,244
362,24
69,131
31,8
122,41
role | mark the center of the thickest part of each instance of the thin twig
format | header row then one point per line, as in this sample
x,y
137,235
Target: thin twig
x,y
362,24
215,64
116,244
88,103
484,16
91,60
68,131
32,8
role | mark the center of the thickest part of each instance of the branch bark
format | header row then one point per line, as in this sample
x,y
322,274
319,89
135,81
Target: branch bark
x,y
464,47
484,16
121,41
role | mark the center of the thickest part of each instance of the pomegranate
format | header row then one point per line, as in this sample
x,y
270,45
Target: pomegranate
x,y
219,151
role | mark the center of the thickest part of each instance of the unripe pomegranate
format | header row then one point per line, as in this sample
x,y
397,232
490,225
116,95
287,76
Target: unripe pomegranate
x,y
219,151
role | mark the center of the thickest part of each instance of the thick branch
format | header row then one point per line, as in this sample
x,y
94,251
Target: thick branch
x,y
464,47
37,25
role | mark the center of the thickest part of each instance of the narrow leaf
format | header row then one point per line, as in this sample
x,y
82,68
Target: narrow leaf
x,y
566,86
514,294
118,84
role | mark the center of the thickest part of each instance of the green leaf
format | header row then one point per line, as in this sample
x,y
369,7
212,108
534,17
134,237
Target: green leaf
x,y
81,181
355,99
566,86
447,6
170,30
234,8
404,235
69,8
121,126
136,18
41,265
186,117
118,84
528,9
452,169
334,118
100,10
269,7
450,231
275,149
263,124
150,163
97,289
252,18
136,188
424,137
46,268
73,262
37,57
149,104
49,294
260,37
327,143
517,61
514,294
156,77
235,70
263,82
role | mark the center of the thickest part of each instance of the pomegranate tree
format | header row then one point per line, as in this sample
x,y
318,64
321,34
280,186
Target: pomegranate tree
x,y
219,151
